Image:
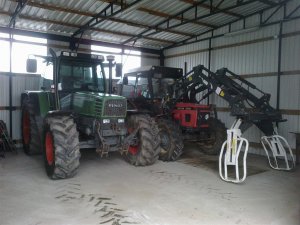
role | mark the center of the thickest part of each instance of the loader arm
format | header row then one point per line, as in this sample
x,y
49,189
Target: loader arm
x,y
246,101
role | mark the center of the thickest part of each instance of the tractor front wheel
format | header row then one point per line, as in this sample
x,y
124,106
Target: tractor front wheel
x,y
61,147
144,148
217,135
171,140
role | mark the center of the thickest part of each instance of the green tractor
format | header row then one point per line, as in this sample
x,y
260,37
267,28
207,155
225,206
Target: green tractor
x,y
77,112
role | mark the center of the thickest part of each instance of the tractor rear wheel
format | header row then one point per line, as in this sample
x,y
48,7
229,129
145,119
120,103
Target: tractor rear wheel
x,y
30,129
144,149
171,140
61,147
216,135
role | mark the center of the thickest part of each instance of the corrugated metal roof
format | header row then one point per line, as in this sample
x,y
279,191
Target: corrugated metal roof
x,y
66,16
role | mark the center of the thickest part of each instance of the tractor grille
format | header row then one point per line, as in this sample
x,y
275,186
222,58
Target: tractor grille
x,y
115,107
98,107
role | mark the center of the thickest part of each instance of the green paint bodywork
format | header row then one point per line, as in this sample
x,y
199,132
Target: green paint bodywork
x,y
89,104
45,103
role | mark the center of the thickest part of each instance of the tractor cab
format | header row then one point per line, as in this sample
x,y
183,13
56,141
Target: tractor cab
x,y
146,87
80,72
151,82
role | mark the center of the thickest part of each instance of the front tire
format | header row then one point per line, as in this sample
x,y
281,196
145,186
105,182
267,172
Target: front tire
x,y
171,140
145,149
61,147
217,135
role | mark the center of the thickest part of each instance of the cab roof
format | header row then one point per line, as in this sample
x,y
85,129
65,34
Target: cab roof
x,y
156,72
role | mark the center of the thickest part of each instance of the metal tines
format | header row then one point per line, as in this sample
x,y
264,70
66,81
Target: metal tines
x,y
6,143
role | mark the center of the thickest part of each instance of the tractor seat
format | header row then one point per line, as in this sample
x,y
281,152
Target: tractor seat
x,y
67,82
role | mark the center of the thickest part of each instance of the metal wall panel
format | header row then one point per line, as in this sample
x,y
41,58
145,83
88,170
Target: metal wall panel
x,y
187,48
4,99
292,125
291,53
20,82
192,60
291,26
248,36
23,82
150,61
290,92
16,124
4,90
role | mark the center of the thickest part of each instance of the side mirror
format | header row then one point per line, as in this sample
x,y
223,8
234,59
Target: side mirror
x,y
119,69
125,80
31,65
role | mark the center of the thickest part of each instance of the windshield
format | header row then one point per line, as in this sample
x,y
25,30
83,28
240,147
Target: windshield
x,y
78,76
160,87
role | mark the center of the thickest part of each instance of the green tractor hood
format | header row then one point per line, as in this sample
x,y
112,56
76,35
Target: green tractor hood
x,y
98,105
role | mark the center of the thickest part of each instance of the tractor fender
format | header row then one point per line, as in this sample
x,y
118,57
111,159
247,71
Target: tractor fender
x,y
40,101
58,113
34,100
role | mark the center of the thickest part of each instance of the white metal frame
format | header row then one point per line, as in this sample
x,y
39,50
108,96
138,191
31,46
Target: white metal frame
x,y
234,145
279,148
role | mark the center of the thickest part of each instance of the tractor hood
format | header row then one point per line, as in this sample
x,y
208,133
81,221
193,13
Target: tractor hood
x,y
98,105
100,95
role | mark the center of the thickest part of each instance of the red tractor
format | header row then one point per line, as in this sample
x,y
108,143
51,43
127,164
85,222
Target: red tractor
x,y
178,115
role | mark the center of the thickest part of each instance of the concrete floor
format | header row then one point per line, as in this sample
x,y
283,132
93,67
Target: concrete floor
x,y
110,191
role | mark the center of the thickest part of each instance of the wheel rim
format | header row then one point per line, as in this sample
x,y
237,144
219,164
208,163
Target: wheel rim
x,y
133,149
49,148
165,140
26,127
212,135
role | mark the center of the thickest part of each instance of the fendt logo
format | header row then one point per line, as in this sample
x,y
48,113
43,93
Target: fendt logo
x,y
115,105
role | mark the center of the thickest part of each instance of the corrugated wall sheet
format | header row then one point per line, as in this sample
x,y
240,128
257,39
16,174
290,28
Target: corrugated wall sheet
x,y
250,54
20,83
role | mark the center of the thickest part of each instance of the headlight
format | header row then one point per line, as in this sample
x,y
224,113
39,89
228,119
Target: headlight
x,y
206,116
66,53
106,120
121,120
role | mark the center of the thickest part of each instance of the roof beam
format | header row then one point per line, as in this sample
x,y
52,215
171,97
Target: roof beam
x,y
104,14
37,19
267,2
83,13
166,22
18,10
56,37
164,15
219,4
189,40
206,6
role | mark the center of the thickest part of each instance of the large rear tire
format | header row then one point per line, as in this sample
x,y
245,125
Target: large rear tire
x,y
145,149
217,135
171,140
31,138
61,147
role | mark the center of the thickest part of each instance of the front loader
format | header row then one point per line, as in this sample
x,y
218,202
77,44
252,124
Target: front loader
x,y
250,106
77,112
